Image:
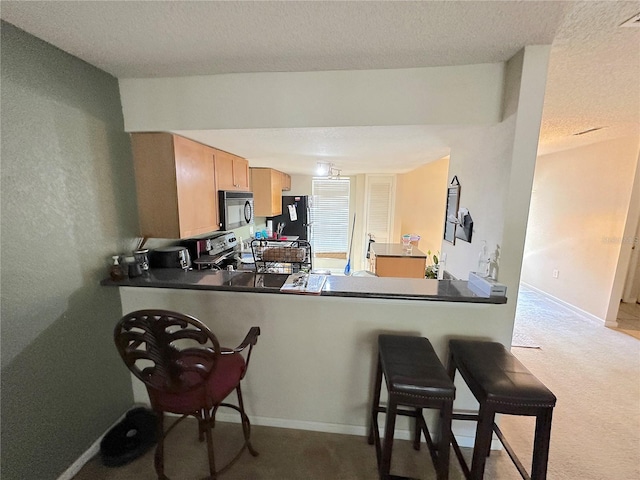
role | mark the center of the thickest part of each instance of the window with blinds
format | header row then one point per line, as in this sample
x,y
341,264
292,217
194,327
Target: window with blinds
x,y
330,217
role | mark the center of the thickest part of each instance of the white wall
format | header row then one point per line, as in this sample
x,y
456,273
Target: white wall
x,y
579,208
468,94
300,185
420,203
495,168
313,365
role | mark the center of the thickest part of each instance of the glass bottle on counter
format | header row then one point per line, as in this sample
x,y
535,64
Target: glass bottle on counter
x,y
116,271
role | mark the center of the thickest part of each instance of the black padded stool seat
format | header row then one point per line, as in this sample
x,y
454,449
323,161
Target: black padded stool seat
x,y
501,384
415,378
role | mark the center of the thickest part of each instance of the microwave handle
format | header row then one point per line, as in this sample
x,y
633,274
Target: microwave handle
x,y
248,214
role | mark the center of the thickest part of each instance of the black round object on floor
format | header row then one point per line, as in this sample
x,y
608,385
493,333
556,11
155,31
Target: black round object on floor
x,y
129,439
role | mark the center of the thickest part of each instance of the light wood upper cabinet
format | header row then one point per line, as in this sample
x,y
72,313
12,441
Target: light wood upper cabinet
x,y
286,181
266,185
232,171
175,184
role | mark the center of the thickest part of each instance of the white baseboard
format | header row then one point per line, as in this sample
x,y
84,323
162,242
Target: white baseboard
x,y
464,436
564,304
92,451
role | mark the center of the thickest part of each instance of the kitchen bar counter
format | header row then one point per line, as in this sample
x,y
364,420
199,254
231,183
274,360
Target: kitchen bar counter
x,y
320,346
337,286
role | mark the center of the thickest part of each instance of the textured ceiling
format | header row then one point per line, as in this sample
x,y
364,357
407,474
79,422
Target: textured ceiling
x,y
146,39
593,80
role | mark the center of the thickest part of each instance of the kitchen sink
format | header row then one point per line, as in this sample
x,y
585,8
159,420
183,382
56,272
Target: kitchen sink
x,y
242,279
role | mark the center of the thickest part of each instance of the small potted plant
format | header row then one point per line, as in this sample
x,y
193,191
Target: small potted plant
x,y
432,269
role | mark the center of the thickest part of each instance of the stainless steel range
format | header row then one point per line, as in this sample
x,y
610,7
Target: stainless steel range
x,y
215,252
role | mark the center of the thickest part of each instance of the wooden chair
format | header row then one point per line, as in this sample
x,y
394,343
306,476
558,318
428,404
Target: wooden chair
x,y
186,372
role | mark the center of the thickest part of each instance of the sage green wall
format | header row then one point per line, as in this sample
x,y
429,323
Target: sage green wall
x,y
68,203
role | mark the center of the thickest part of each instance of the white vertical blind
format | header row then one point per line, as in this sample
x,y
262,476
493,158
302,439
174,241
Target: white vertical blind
x,y
330,215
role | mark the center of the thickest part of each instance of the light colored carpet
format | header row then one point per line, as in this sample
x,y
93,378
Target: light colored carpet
x,y
594,371
522,340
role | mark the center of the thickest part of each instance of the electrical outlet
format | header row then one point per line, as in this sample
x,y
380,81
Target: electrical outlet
x,y
250,229
556,273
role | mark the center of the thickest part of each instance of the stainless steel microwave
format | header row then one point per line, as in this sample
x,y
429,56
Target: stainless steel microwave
x,y
236,209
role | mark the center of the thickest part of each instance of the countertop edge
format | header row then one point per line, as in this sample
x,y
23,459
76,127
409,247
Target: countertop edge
x,y
454,291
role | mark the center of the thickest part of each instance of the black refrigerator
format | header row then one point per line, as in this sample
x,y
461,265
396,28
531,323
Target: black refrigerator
x,y
295,216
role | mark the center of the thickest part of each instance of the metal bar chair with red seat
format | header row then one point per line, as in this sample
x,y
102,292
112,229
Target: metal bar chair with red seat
x,y
186,372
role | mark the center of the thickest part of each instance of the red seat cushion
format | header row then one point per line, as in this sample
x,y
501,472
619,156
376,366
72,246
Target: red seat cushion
x,y
219,385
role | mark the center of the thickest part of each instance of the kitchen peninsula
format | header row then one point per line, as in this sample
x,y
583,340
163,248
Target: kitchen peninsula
x,y
315,361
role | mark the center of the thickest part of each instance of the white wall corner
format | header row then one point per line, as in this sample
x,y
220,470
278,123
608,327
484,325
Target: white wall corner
x,y
534,62
91,452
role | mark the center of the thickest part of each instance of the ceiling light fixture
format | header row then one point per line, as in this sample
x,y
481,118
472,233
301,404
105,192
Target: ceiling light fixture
x,y
328,170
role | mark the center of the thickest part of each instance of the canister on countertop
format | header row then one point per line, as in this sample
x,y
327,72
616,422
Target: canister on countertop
x,y
133,268
142,258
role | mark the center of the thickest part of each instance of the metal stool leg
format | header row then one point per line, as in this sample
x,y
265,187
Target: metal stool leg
x,y
207,433
159,455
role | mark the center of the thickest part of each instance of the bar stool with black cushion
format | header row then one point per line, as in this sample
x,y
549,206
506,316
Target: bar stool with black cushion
x,y
415,378
501,384
186,372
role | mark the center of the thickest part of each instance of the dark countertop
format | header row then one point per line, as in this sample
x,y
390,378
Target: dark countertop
x,y
337,286
395,250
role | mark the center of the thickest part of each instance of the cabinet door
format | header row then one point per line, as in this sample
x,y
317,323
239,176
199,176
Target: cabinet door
x,y
195,180
232,172
267,192
224,170
405,267
276,192
241,173
286,182
157,195
175,186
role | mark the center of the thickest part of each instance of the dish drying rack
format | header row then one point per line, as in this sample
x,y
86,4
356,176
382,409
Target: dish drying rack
x,y
281,256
